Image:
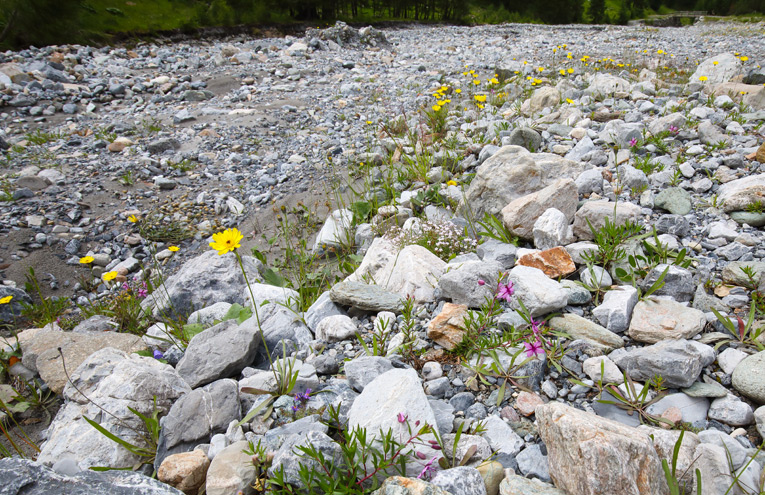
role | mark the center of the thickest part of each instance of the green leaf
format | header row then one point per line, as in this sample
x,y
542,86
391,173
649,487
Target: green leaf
x,y
658,284
134,449
271,277
237,312
254,412
361,211
192,329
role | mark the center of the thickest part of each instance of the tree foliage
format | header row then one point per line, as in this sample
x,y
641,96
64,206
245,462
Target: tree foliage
x,y
39,22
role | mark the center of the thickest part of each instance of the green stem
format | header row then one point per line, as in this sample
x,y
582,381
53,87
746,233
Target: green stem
x,y
257,316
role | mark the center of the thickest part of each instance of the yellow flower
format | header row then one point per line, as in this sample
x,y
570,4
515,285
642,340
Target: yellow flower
x,y
369,122
703,78
458,91
226,241
441,103
569,56
86,260
109,276
569,101
540,69
479,106
173,248
6,299
715,62
436,108
744,58
476,81
132,219
571,71
494,80
480,98
451,183
660,52
562,72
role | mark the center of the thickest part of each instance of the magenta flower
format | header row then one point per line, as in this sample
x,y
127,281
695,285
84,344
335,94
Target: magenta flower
x,y
534,349
401,417
481,282
673,129
428,470
633,142
505,291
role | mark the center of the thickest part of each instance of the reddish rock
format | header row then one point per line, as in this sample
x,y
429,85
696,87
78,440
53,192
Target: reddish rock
x,y
555,262
116,146
672,414
760,154
527,402
448,328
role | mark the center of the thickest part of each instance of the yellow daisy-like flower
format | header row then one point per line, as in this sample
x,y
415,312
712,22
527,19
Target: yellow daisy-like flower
x,y
480,98
744,58
570,71
715,62
85,260
569,56
476,81
494,80
703,78
132,219
569,101
458,91
541,69
173,248
6,299
436,108
660,52
562,72
369,122
108,276
226,241
479,106
451,183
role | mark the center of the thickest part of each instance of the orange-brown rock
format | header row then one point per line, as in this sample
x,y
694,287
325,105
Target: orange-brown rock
x,y
555,262
185,471
760,154
448,328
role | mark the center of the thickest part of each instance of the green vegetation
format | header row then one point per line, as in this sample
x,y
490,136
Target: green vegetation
x,y
44,22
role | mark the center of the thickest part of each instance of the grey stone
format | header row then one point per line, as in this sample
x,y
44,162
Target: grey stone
x,y
750,218
736,450
578,327
115,381
196,416
533,464
577,295
654,320
675,200
593,366
520,215
24,476
336,328
595,277
320,309
501,437
511,173
738,194
162,145
231,471
362,370
712,463
539,294
729,359
597,212
747,377
444,413
615,312
221,351
208,315
461,283
438,387
590,181
706,389
462,401
732,411
203,281
494,250
759,417
694,409
733,272
518,485
336,233
718,69
461,480
526,137
397,485
365,297
678,282
679,362
551,229
377,407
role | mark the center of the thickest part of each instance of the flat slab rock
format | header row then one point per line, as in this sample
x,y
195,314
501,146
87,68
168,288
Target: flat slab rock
x,y
365,297
22,476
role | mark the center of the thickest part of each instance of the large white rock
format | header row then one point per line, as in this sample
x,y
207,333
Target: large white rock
x,y
551,229
413,272
378,406
605,85
115,381
597,212
590,455
740,193
520,215
513,172
718,69
336,233
659,319
540,294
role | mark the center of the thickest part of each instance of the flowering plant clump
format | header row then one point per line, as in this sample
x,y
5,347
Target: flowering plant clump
x,y
301,400
445,239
